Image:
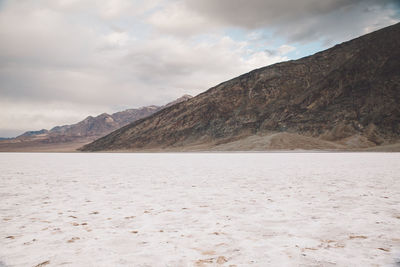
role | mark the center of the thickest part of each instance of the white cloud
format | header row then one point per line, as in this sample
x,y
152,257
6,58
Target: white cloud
x,y
284,49
114,8
116,39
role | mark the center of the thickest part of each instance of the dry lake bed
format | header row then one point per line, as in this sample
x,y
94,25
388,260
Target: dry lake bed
x,y
204,209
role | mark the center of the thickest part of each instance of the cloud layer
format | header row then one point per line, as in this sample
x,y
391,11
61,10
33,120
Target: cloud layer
x,y
63,60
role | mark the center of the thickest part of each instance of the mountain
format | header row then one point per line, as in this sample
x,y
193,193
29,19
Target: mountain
x,y
32,133
99,125
82,132
346,97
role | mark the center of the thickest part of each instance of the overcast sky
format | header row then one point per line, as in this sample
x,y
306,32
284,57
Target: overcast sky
x,y
62,60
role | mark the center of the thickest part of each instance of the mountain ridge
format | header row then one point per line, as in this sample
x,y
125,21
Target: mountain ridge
x,y
349,91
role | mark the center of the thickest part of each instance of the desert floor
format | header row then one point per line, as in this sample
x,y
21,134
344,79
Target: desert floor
x,y
199,209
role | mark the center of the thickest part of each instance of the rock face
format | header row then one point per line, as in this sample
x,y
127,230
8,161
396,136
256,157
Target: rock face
x,y
349,93
86,130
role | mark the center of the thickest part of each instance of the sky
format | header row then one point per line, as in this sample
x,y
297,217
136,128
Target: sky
x,y
63,60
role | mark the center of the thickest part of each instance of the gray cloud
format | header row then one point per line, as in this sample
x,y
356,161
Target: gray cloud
x,y
261,13
298,21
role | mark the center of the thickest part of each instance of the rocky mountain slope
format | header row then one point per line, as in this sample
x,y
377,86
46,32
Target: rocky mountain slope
x,y
345,97
84,131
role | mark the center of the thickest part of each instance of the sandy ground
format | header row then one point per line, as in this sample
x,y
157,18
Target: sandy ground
x,y
253,209
8,146
257,143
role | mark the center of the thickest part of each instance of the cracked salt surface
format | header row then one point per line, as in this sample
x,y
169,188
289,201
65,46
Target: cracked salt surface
x,y
260,209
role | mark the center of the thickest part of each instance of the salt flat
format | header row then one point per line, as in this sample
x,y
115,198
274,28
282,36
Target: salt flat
x,y
253,209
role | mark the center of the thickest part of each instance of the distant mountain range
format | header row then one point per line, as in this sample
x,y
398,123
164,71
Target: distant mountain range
x,y
346,97
84,131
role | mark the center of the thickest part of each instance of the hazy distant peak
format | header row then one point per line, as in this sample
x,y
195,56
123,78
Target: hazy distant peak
x,y
31,133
